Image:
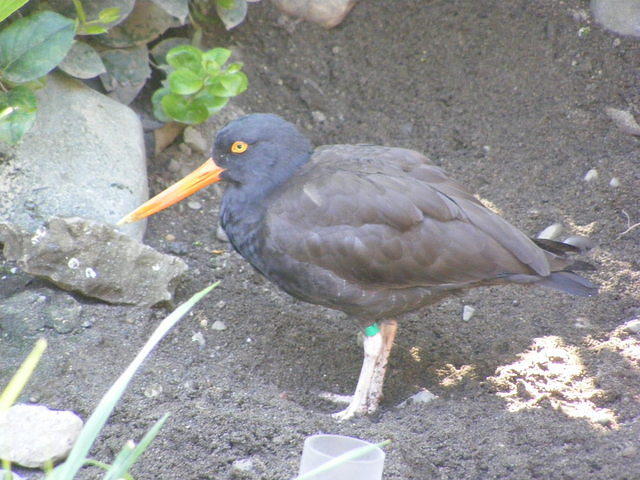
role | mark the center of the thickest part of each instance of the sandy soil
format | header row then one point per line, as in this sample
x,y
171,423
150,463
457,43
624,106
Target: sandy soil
x,y
510,100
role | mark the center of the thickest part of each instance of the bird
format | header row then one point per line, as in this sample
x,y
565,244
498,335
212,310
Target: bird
x,y
372,231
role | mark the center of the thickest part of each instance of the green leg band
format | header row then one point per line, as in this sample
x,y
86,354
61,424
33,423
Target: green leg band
x,y
372,329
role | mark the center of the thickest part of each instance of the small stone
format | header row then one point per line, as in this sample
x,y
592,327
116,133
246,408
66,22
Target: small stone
x,y
629,451
173,166
614,182
423,396
551,232
467,312
184,148
624,120
170,237
218,325
578,241
153,390
243,464
195,140
194,204
221,304
318,116
335,50
221,234
199,339
633,326
178,248
32,435
591,175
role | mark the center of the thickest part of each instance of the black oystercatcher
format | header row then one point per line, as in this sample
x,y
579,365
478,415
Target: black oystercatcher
x,y
373,231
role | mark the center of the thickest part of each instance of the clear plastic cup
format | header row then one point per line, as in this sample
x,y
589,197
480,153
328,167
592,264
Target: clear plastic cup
x,y
319,449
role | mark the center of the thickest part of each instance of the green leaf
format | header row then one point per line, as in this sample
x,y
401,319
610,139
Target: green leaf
x,y
234,67
93,30
184,82
211,101
229,84
109,15
33,46
185,56
217,55
17,113
7,7
98,418
160,49
145,23
231,15
127,72
228,4
175,8
82,61
156,101
185,110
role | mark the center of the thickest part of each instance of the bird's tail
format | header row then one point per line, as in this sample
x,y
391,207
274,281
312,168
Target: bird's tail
x,y
564,266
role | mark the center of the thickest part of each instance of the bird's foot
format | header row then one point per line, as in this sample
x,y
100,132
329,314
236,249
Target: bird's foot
x,y
355,407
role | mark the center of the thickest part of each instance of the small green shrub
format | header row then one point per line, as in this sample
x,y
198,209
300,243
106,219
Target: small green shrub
x,y
198,84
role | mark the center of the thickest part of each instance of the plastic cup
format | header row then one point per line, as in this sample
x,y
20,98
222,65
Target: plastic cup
x,y
319,449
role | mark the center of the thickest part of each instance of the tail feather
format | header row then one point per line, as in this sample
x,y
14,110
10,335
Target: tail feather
x,y
570,282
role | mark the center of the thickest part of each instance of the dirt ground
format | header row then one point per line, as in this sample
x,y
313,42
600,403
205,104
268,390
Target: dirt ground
x,y
509,98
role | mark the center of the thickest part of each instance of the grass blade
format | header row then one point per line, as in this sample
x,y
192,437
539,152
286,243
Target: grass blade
x,y
124,461
21,377
107,403
339,460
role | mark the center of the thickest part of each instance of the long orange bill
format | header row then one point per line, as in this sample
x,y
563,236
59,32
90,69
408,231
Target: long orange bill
x,y
204,175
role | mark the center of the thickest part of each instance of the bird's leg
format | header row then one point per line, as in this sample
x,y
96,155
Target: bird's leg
x,y
369,389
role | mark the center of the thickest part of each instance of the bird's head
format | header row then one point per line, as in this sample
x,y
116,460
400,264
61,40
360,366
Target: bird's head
x,y
260,150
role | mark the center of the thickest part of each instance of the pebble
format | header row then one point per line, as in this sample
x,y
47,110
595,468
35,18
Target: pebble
x,y
218,325
170,237
591,175
583,243
551,232
467,312
153,390
614,182
318,116
195,140
173,166
633,326
624,120
184,148
199,339
32,435
194,204
423,396
178,248
243,464
630,451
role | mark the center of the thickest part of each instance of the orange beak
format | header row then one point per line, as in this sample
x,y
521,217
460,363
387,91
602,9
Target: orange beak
x,y
204,175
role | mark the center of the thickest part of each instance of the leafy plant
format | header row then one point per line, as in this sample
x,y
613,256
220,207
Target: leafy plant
x,y
198,84
130,452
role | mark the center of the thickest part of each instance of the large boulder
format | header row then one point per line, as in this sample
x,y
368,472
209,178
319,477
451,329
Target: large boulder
x,y
84,157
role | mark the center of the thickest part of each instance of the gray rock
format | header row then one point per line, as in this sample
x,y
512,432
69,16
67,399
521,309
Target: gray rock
x,y
423,396
620,16
221,234
624,120
31,435
468,312
28,312
327,13
193,138
83,157
93,259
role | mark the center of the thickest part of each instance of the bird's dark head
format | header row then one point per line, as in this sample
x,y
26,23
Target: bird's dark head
x,y
260,151
260,148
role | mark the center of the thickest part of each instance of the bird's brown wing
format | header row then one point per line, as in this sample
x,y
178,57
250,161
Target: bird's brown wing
x,y
385,218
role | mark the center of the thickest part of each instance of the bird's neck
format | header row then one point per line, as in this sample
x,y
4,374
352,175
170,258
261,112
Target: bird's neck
x,y
244,206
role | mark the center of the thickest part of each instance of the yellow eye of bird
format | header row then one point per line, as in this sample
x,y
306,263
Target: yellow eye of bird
x,y
239,147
